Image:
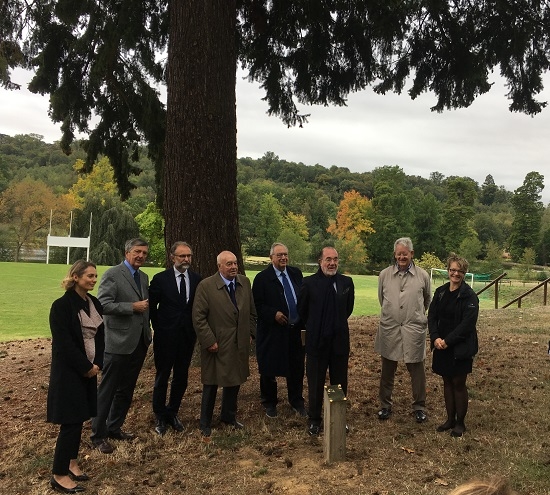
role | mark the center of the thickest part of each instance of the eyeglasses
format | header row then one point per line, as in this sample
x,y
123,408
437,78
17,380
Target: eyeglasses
x,y
454,270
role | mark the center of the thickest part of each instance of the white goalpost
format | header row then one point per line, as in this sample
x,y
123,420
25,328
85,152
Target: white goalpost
x,y
68,241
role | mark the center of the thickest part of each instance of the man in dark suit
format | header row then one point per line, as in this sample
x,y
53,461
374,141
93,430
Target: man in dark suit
x,y
171,295
325,303
279,348
124,295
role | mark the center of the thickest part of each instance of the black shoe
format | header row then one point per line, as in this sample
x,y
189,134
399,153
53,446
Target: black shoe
x,y
175,423
458,430
161,427
103,446
79,477
60,488
420,416
235,424
314,430
384,413
449,424
300,411
206,431
121,435
271,412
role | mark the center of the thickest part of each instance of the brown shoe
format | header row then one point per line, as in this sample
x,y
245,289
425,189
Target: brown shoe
x,y
103,446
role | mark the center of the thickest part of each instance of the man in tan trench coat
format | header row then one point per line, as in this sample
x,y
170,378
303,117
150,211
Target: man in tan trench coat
x,y
224,318
404,294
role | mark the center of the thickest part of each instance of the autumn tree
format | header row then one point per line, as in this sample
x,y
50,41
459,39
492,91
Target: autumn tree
x,y
28,205
352,218
109,57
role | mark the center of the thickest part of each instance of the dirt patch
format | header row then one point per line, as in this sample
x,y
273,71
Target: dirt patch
x,y
508,428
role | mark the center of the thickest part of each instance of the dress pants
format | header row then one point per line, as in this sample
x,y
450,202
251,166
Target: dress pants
x,y
173,354
418,382
229,404
316,370
295,378
116,390
66,448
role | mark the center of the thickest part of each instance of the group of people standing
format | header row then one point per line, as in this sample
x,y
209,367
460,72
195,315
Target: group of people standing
x,y
300,325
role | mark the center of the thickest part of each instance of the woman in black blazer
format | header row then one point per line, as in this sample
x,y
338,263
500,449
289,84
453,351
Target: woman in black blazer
x,y
452,319
77,356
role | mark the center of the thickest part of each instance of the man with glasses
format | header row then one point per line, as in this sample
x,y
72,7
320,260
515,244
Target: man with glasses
x,y
171,295
325,303
404,295
279,348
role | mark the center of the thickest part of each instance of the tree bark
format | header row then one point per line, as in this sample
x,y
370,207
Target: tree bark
x,y
200,177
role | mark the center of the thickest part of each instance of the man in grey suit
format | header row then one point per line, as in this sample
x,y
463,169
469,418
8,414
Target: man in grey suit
x,y
123,293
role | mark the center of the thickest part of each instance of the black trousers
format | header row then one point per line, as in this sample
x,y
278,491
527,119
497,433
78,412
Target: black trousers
x,y
229,404
316,370
173,354
116,390
295,378
66,448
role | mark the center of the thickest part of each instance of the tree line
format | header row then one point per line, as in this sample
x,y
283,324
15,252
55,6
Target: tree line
x,y
304,206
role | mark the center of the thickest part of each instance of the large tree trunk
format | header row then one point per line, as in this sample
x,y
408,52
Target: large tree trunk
x,y
200,171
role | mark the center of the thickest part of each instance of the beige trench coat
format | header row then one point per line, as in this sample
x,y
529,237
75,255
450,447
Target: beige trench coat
x,y
216,319
404,298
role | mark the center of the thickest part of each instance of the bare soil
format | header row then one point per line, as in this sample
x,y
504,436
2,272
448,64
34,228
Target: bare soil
x,y
508,428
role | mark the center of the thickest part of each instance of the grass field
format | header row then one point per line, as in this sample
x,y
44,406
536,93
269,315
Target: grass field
x,y
27,291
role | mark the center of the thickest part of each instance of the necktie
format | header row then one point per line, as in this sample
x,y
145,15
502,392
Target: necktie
x,y
137,280
292,311
231,287
183,288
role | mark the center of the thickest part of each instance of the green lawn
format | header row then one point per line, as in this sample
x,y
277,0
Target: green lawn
x,y
27,291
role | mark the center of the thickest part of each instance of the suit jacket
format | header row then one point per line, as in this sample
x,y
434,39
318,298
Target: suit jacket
x,y
272,339
123,328
312,310
216,319
72,398
168,314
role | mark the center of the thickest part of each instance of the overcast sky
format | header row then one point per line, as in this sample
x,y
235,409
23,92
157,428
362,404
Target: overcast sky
x,y
372,131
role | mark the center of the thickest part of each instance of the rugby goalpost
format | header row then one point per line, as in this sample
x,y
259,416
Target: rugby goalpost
x,y
68,241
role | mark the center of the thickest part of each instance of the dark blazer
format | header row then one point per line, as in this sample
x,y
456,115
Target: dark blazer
x,y
312,312
72,398
463,338
166,311
123,328
272,339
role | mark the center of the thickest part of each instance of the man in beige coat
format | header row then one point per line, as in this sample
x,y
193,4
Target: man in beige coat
x,y
224,318
404,294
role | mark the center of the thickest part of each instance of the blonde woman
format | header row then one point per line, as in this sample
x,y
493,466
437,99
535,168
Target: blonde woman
x,y
478,487
452,319
77,357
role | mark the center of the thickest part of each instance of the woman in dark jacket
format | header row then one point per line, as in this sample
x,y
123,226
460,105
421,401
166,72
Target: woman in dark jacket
x,y
77,356
452,319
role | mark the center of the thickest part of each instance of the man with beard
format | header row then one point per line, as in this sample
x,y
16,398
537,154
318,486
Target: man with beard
x,y
171,295
325,303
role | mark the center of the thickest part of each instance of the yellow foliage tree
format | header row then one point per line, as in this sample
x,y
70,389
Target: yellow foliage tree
x,y
99,183
352,218
26,206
